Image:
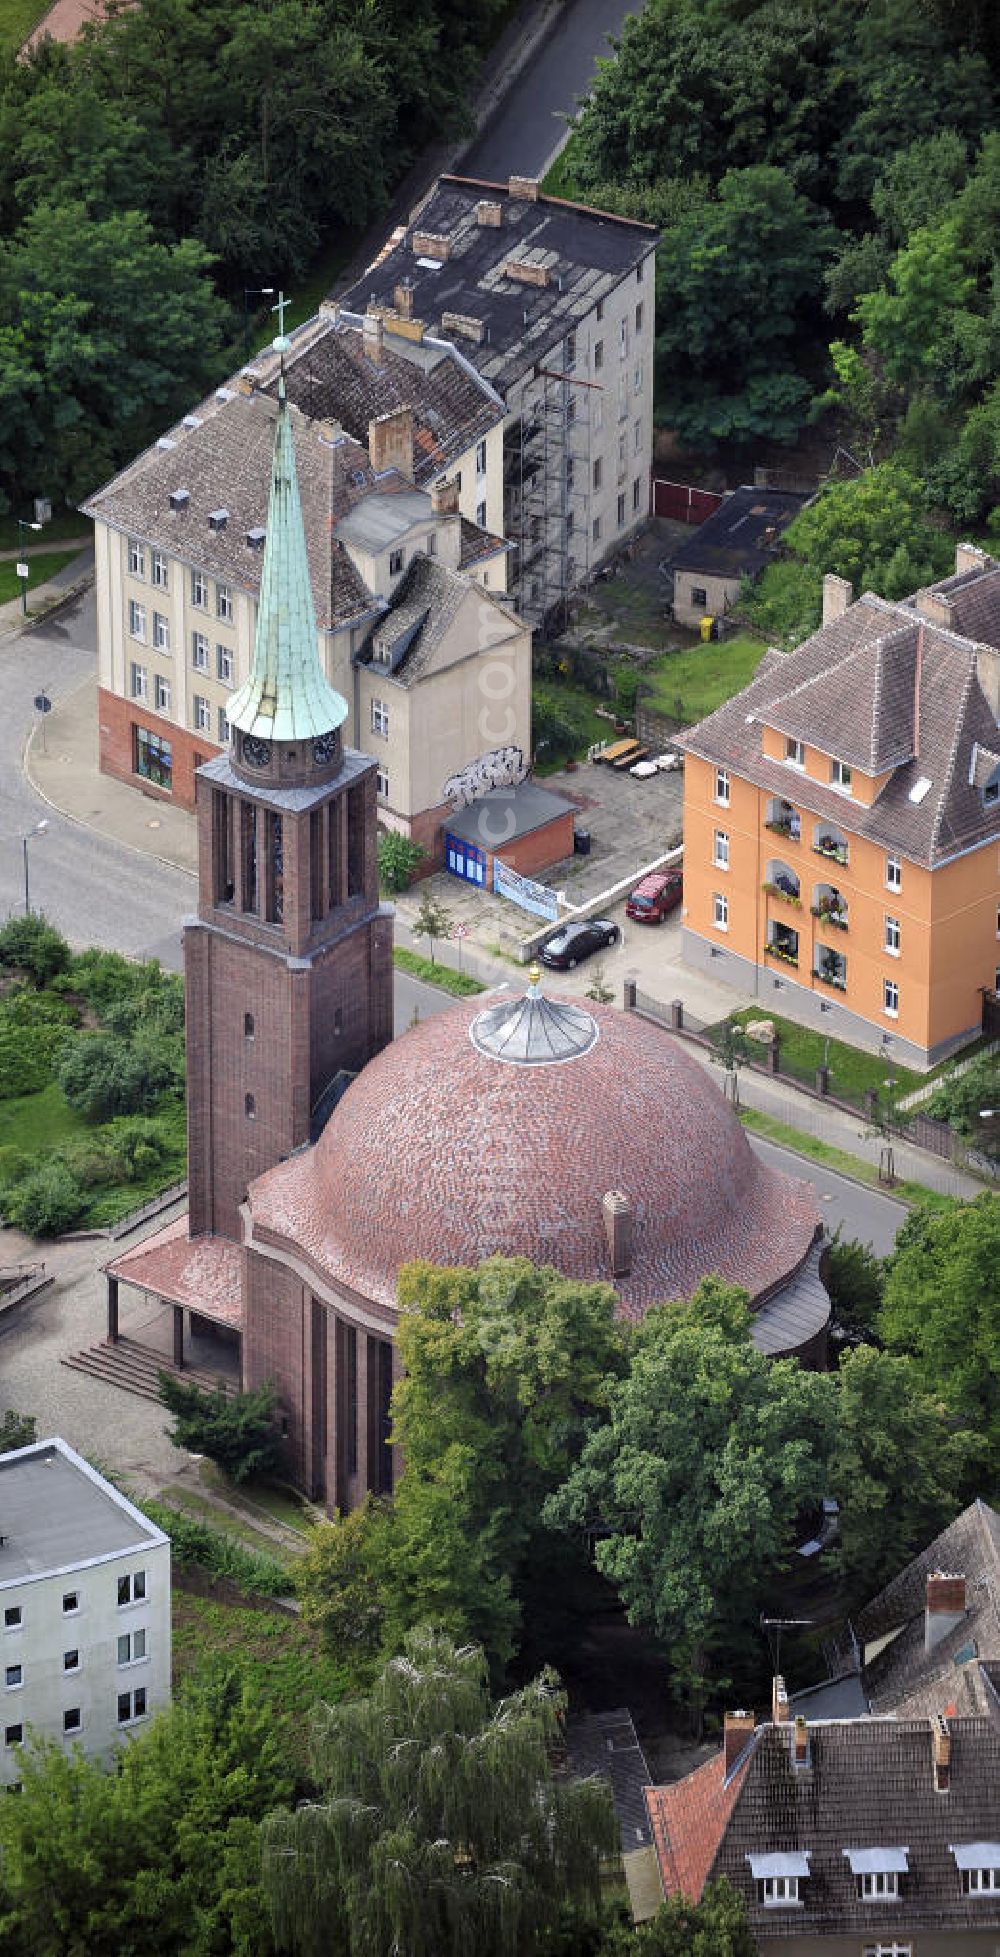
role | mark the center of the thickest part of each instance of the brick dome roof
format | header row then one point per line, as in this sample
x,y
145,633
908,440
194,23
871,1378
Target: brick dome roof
x,y
442,1150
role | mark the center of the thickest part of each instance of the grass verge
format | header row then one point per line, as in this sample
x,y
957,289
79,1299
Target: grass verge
x,y
35,1122
852,1070
914,1194
458,983
561,180
40,568
18,18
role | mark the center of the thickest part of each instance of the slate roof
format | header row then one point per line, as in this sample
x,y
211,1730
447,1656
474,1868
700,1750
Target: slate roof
x,y
887,692
738,539
587,254
606,1743
329,376
867,1784
426,602
903,1675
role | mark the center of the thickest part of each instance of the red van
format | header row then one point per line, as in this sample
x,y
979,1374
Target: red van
x,y
656,896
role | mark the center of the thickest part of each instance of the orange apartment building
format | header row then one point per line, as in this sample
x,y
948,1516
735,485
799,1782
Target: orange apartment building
x,y
842,821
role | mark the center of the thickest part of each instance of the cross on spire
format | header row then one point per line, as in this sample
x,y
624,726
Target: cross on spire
x,y
280,310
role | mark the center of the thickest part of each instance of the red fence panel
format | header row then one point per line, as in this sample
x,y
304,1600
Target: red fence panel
x,y
683,502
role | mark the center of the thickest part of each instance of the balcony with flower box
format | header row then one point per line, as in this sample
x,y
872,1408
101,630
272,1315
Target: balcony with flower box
x,y
830,907
782,882
783,819
831,843
831,969
782,943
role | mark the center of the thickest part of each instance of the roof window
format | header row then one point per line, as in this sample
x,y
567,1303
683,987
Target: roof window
x,y
179,499
978,1864
217,519
877,1871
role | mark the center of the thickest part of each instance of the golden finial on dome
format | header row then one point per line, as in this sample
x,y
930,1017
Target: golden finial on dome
x,y
534,975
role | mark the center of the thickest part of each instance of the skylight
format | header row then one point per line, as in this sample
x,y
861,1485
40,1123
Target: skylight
x,y
920,789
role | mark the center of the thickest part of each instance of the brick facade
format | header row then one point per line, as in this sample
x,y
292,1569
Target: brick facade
x,y
117,723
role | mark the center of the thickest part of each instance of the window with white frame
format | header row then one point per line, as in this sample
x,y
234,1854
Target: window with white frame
x,y
432,544
637,494
720,908
136,620
637,379
224,664
879,1885
840,774
199,652
138,681
598,355
795,753
13,1735
637,438
779,1889
161,694
699,596
481,515
888,1950
202,714
199,590
981,1882
223,727
598,472
13,1677
160,569
161,632
131,1705
621,511
132,1588
136,558
638,317
480,458
722,786
380,717
224,602
890,998
132,1648
893,873
570,352
72,1719
891,939
71,1660
382,784
70,1602
597,529
720,852
623,339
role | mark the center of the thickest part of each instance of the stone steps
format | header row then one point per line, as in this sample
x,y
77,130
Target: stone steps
x,y
135,1368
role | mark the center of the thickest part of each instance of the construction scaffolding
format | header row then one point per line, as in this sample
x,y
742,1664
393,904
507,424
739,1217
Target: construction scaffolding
x,y
547,487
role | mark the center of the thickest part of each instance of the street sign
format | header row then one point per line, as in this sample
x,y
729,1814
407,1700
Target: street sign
x,y
23,571
42,703
461,930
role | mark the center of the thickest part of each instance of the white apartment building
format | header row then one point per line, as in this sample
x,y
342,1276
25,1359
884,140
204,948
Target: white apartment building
x,y
553,304
84,1608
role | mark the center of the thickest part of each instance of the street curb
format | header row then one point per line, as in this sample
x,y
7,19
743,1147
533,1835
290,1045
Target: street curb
x,y
800,1155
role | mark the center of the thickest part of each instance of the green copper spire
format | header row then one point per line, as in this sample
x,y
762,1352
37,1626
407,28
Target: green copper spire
x,y
288,696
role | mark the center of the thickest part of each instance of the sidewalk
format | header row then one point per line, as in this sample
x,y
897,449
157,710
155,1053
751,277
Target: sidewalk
x,y
42,597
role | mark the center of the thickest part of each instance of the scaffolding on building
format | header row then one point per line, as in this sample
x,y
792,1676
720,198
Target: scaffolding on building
x,y
547,484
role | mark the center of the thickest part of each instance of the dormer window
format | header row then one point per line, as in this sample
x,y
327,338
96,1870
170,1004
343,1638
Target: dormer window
x,y
877,1871
978,1864
778,1877
795,753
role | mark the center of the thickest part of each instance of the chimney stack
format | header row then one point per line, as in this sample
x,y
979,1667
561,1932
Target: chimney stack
x,y
837,595
525,188
800,1742
390,442
489,213
969,557
444,498
371,337
945,1607
779,1701
941,1750
737,1729
403,298
619,1223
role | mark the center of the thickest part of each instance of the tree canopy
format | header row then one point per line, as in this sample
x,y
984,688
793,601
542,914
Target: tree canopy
x,y
942,1307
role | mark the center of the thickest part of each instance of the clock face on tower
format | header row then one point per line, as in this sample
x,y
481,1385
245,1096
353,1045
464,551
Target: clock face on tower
x,y
256,753
324,749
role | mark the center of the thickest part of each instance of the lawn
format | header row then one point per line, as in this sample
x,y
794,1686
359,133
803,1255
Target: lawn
x,y
852,1071
202,1510
33,1122
593,726
40,568
560,180
17,18
691,683
294,1670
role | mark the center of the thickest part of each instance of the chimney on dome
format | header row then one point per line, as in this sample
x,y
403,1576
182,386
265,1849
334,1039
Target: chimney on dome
x,y
619,1224
444,498
390,442
779,1701
945,1607
371,337
837,595
941,1753
737,1729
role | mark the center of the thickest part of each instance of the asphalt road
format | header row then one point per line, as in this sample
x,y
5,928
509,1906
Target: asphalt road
x,y
527,130
859,1212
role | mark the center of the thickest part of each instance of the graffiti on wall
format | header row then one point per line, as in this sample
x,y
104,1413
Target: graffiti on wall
x,y
502,767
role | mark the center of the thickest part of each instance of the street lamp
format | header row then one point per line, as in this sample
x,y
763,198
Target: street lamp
x,y
38,830
23,570
252,292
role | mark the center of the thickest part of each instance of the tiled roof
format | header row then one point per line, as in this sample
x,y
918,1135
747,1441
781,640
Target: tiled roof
x,y
472,1151
606,1743
867,1784
204,1274
903,1674
330,376
426,602
973,600
882,690
738,539
584,254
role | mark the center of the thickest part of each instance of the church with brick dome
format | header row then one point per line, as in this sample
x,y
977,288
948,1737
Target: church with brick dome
x,y
323,1155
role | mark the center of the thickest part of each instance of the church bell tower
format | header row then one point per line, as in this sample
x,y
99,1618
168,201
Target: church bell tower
x,y
288,964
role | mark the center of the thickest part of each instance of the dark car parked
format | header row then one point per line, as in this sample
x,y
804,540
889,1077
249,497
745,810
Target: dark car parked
x,y
572,942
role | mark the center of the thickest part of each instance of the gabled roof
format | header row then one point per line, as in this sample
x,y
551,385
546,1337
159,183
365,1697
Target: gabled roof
x,y
426,602
886,691
581,256
867,1785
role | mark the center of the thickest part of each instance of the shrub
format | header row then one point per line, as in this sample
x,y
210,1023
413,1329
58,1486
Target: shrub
x,y
17,1430
626,688
47,1202
29,944
398,860
557,722
237,1430
213,1550
103,1075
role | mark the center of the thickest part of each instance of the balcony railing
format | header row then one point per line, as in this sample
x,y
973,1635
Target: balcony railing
x,y
837,918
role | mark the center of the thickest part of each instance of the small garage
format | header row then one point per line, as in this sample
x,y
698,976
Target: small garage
x,y
526,827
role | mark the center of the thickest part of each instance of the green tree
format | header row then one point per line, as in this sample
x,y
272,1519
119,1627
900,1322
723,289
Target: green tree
x,y
159,1856
440,1823
103,1075
919,183
897,1466
873,531
942,1306
433,920
398,860
732,1051
17,1430
911,322
718,1926
236,1430
45,1202
343,1582
854,1278
694,1484
30,944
